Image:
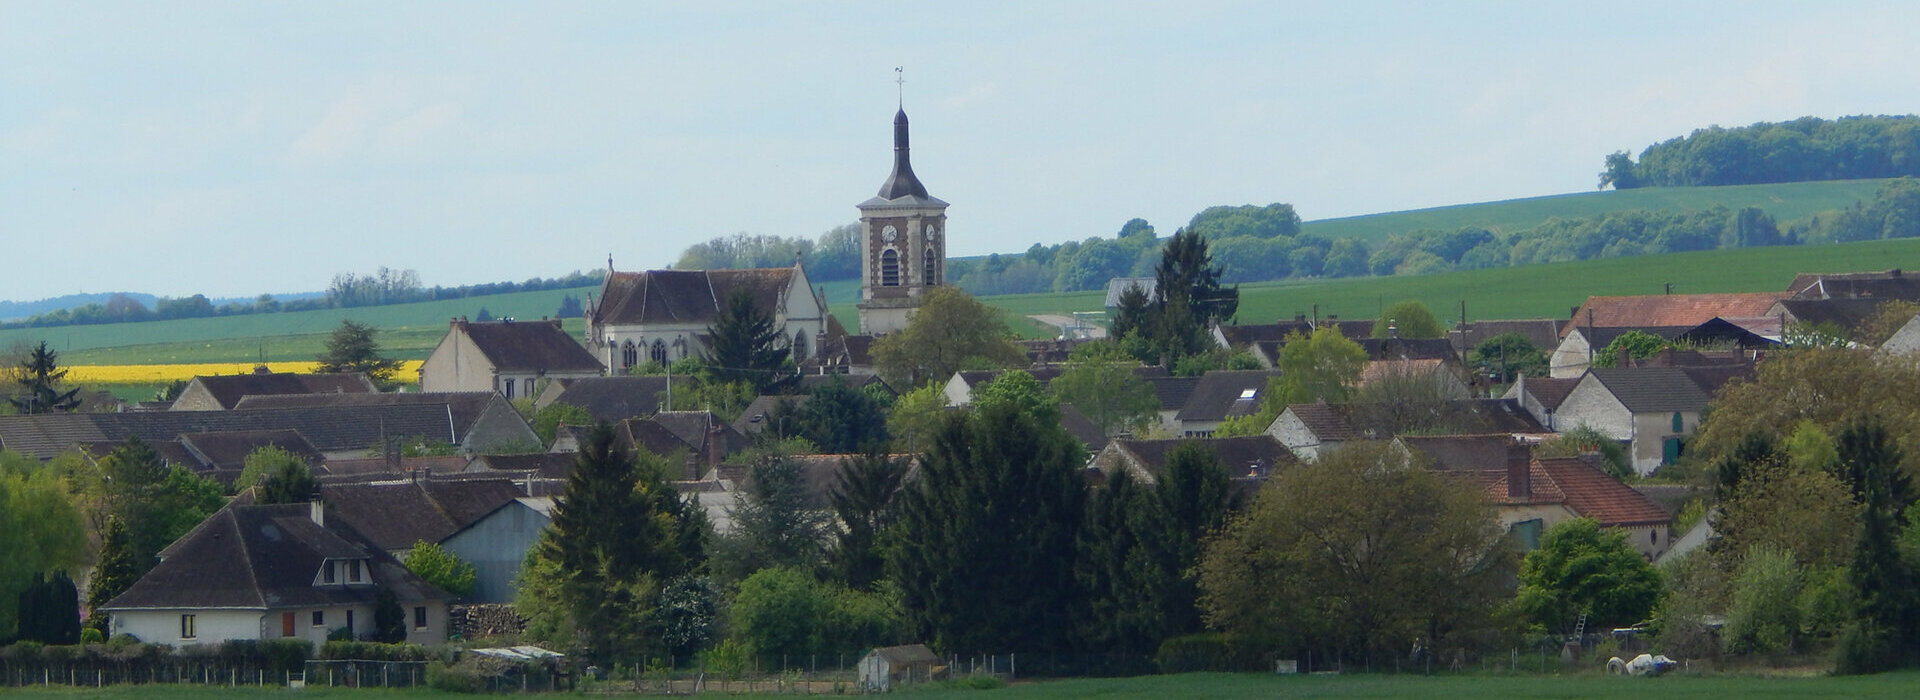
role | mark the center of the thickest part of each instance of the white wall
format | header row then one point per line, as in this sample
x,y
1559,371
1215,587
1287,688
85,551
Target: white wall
x,y
210,626
1570,359
1295,435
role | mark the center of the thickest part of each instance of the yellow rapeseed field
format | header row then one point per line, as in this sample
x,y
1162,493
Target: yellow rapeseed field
x,y
156,374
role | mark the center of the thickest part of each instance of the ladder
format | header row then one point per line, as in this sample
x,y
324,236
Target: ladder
x,y
1580,628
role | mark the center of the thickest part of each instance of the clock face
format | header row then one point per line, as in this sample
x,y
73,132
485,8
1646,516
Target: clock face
x,y
889,234
932,234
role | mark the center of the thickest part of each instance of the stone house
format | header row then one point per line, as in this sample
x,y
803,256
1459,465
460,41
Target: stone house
x,y
272,572
1531,495
1651,409
508,356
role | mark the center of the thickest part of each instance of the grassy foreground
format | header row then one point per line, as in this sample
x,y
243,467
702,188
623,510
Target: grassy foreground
x,y
1220,685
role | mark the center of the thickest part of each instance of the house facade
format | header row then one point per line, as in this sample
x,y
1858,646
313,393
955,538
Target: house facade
x,y
506,356
1650,408
272,572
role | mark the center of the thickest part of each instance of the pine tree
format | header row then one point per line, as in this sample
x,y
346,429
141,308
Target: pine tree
x,y
116,572
773,518
839,419
1195,494
389,619
1886,608
351,348
993,522
39,377
864,498
1187,298
746,346
1127,568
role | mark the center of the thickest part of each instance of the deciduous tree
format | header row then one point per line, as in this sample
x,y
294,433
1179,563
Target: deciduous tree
x,y
952,331
1107,392
1580,569
1410,319
442,568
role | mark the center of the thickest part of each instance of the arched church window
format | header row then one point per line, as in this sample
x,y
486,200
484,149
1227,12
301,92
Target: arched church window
x,y
889,268
629,355
659,352
800,346
927,277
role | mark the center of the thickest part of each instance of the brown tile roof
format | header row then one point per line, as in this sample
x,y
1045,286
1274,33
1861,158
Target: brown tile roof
x,y
528,346
228,389
1480,416
1846,314
327,428
685,296
1408,349
266,557
1173,391
1325,420
550,465
1668,309
1587,491
360,468
1549,391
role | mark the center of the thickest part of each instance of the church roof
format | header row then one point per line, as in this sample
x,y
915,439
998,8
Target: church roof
x,y
902,188
686,296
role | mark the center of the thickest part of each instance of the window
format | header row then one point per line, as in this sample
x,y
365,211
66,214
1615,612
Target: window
x,y
420,616
800,346
353,571
507,388
319,618
1677,423
659,352
349,620
629,356
326,572
186,627
927,277
889,268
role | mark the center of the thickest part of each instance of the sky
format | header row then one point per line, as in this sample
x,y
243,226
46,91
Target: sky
x,y
239,148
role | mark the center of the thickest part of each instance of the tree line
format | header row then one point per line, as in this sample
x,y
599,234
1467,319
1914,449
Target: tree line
x,y
348,290
1808,148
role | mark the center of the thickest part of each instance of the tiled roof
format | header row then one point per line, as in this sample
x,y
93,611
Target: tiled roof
x,y
228,389
1668,309
1377,370
1082,428
761,412
550,465
810,382
463,407
1886,284
1462,452
1239,456
1173,391
685,296
395,514
1845,313
327,428
1476,416
1325,420
361,469
253,556
1588,492
1710,378
229,450
525,346
1549,391
1223,394
1651,389
1544,333
612,399
1408,349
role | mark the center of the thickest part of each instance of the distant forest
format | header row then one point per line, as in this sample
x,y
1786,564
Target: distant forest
x,y
1808,148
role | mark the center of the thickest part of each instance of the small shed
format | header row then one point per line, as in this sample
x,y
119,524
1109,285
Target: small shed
x,y
885,667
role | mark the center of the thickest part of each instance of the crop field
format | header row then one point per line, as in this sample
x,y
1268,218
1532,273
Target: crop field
x,y
1214,685
161,374
1786,201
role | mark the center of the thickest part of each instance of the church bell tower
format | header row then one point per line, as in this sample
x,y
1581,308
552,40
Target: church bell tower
x,y
903,244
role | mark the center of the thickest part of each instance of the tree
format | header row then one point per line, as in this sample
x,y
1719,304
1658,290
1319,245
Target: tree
x,y
292,481
1886,608
994,519
1323,366
389,619
1361,554
1109,393
842,420
548,419
1129,569
351,348
915,418
1410,319
1888,318
261,464
41,531
952,331
773,520
444,569
1579,570
157,503
50,610
746,347
1765,616
616,532
1619,172
570,307
1506,356
39,377
1187,297
1133,316
1844,385
865,497
1639,345
115,572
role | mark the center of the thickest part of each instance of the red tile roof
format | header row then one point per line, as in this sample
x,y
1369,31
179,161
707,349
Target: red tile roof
x,y
1669,309
1584,489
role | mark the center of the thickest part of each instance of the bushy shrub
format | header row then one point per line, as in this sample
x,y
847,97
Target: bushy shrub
x,y
1211,651
286,655
463,677
89,635
374,651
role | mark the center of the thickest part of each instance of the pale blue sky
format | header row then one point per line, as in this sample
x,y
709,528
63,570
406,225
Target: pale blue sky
x,y
247,147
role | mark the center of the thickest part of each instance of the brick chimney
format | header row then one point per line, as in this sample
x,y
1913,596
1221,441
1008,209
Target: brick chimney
x,y
317,512
1622,359
1519,472
716,446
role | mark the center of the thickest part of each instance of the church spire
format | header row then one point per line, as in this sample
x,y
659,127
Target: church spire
x,y
902,182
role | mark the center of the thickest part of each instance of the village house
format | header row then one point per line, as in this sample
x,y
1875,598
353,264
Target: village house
x,y
1313,429
506,356
1597,322
272,572
1651,409
1532,495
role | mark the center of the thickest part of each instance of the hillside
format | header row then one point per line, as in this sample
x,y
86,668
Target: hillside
x,y
1537,291
1785,201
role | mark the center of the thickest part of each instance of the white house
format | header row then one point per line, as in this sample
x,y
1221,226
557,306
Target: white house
x,y
507,356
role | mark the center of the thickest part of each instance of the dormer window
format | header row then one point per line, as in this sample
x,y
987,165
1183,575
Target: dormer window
x,y
355,573
326,573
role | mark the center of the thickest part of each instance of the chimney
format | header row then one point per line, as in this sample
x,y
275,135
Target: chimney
x,y
716,447
1519,472
317,511
1623,359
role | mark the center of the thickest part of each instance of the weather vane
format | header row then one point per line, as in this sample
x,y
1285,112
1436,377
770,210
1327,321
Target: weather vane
x,y
900,80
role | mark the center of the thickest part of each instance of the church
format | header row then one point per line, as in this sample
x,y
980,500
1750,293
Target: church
x,y
662,315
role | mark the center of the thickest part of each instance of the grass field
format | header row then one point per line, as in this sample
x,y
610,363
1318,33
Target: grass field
x,y
1786,201
1224,686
